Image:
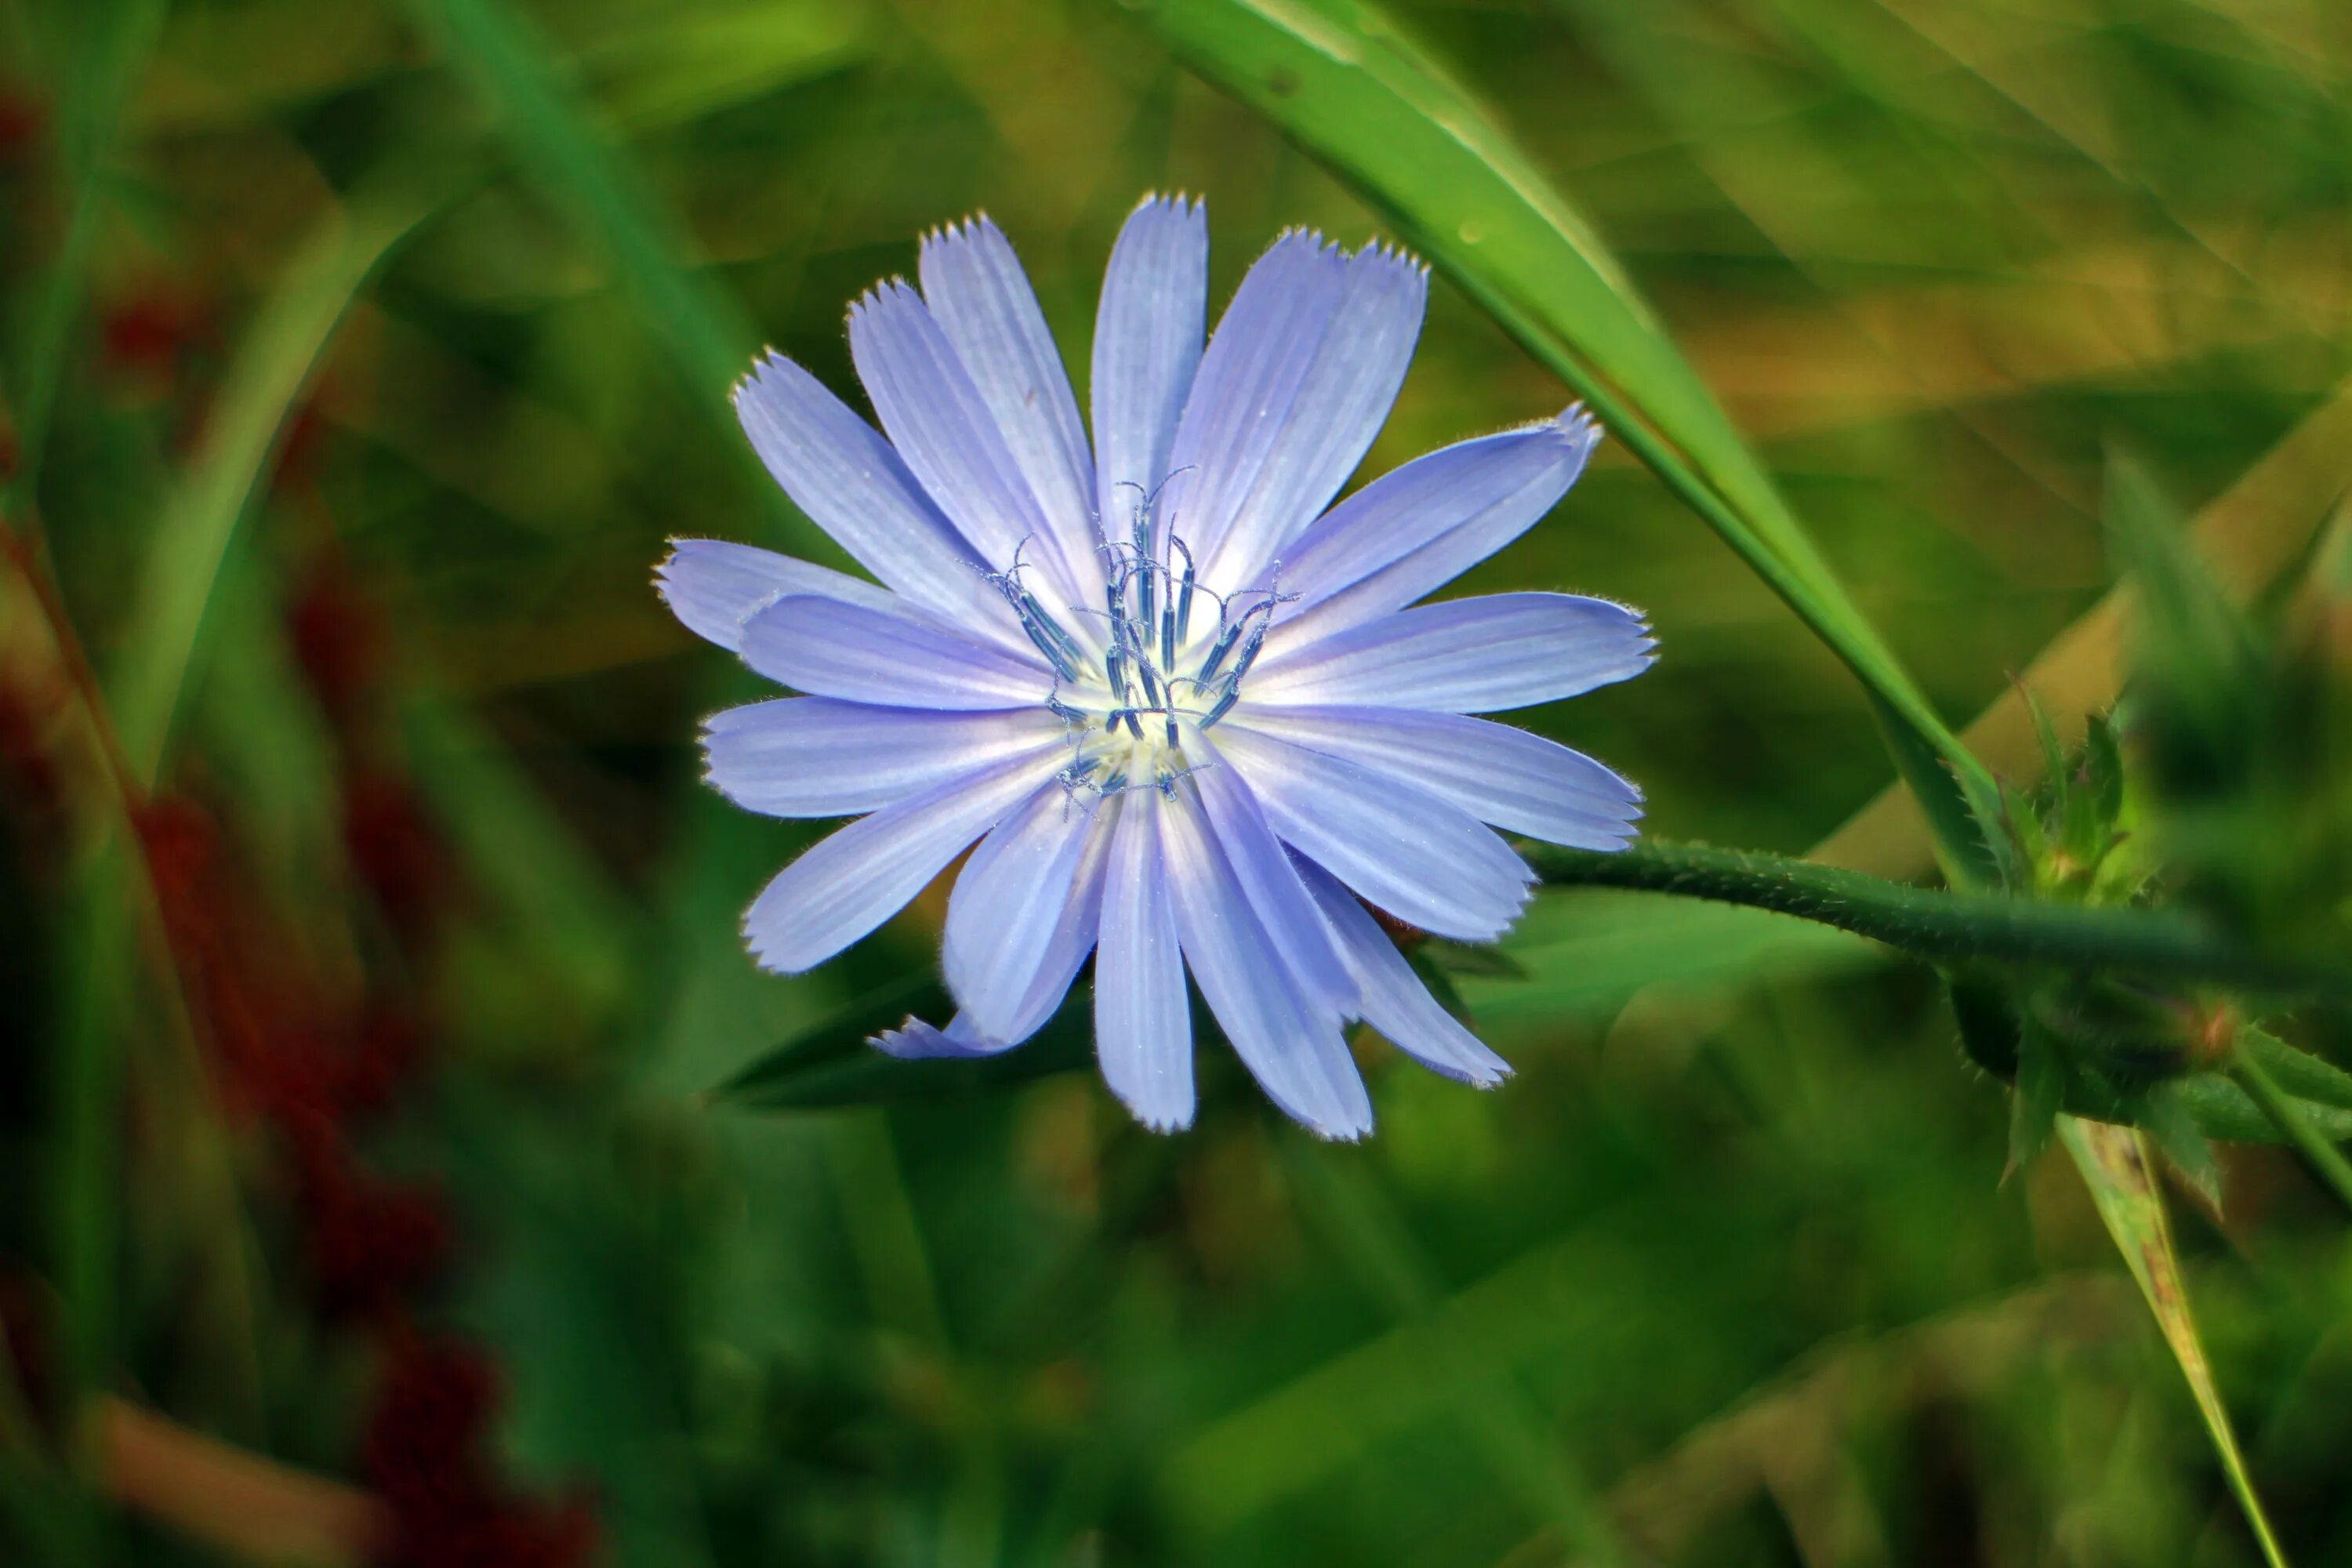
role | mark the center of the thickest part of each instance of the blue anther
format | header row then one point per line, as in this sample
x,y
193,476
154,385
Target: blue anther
x,y
1184,589
1225,705
1249,655
1224,646
1054,655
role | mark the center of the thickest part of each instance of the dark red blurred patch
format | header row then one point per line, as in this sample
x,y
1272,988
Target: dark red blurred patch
x,y
147,333
371,1244
337,634
397,852
23,123
427,1452
180,842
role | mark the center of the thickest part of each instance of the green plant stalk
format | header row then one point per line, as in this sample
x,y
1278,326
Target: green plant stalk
x,y
1335,76
1937,926
2327,1162
192,541
118,40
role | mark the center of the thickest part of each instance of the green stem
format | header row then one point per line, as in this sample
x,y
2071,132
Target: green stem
x,y
1941,927
2327,1162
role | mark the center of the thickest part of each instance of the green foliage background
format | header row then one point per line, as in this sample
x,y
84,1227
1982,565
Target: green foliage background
x,y
1726,1275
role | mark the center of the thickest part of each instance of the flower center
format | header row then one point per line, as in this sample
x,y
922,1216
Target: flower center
x,y
1166,665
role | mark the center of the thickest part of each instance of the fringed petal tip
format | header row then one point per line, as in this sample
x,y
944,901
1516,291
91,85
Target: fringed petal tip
x,y
769,360
892,292
1488,1072
1164,1123
915,1041
976,222
1356,1133
1374,249
1178,203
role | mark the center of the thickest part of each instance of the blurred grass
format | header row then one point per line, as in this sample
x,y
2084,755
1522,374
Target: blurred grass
x,y
1928,256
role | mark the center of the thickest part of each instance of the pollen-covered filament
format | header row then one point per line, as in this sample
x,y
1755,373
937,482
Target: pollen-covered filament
x,y
1168,661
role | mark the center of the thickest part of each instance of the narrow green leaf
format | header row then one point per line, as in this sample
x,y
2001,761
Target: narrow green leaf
x,y
2298,1072
2036,1102
1962,810
834,1064
2173,1127
199,524
2053,755
2114,1162
2103,760
1337,78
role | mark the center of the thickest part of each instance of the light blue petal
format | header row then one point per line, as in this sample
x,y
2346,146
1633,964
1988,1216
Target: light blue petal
x,y
1264,871
1341,404
1143,1021
1294,1051
1395,1002
1064,951
897,658
1459,656
714,586
1248,384
848,884
1415,529
1427,863
1518,781
813,757
982,301
1008,900
1147,333
1074,935
941,426
852,484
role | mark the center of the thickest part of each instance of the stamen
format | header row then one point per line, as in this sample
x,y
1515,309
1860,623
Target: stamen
x,y
1249,653
1225,705
1219,649
1184,590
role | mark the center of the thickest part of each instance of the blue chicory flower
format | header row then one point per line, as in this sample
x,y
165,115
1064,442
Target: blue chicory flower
x,y
1194,719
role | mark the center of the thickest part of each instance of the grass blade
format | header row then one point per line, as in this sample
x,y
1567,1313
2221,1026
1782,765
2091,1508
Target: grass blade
x,y
280,352
2115,1166
1335,77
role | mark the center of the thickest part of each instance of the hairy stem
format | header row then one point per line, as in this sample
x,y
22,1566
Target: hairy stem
x,y
1943,926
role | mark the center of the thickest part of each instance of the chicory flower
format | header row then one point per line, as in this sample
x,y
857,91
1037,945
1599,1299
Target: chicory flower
x,y
1192,712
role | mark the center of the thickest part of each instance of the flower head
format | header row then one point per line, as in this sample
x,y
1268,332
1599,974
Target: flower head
x,y
1195,720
